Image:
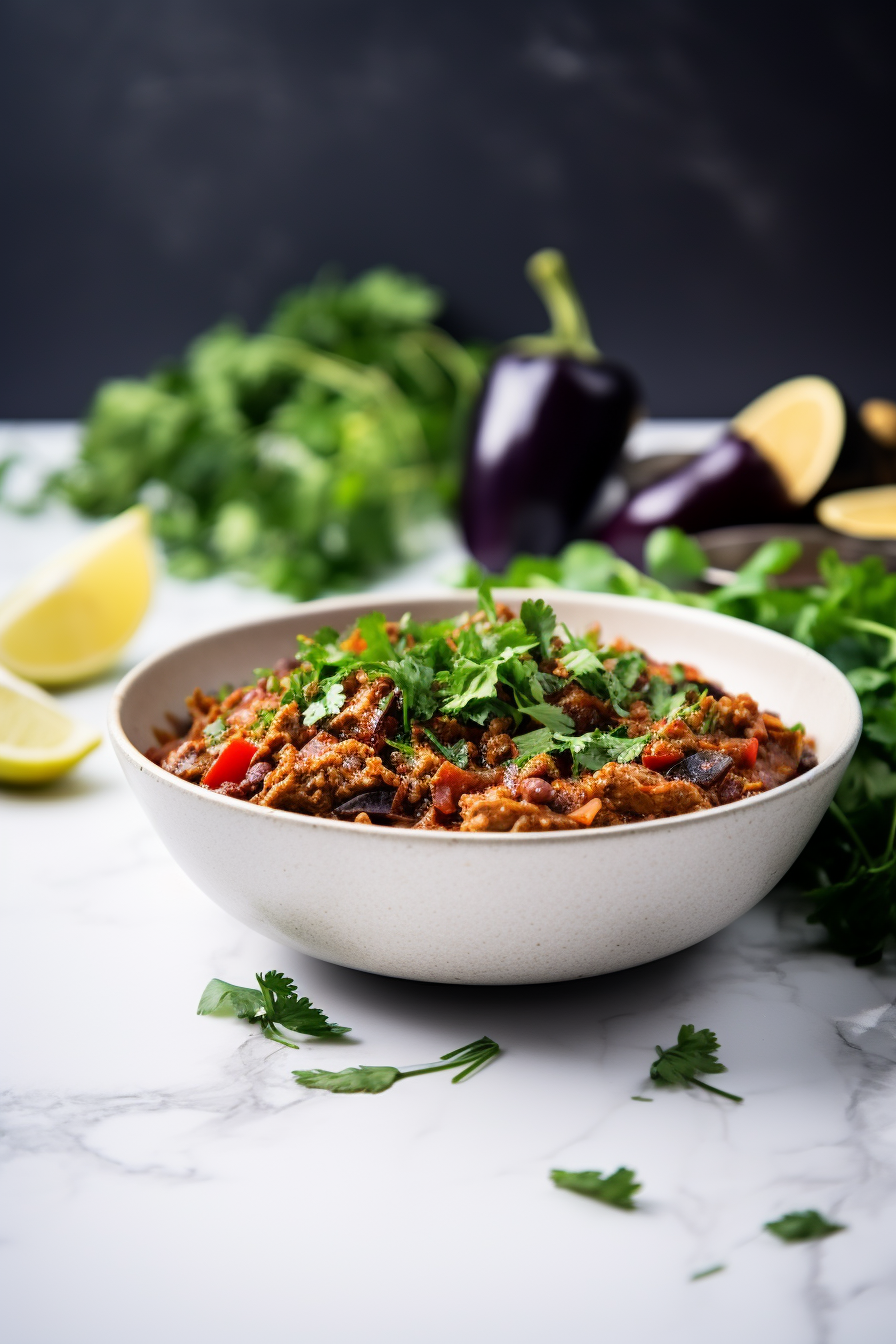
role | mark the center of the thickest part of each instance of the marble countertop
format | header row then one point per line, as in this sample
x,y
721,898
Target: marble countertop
x,y
163,1177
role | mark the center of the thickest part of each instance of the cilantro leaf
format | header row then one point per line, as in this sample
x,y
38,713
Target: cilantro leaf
x,y
360,1078
377,1078
541,622
326,705
274,1004
552,716
213,732
372,628
225,1000
617,1189
694,1052
458,753
405,747
592,751
469,681
809,1225
485,601
414,678
533,744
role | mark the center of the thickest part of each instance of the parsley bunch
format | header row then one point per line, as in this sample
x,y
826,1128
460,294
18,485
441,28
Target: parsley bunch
x,y
274,1005
848,869
304,457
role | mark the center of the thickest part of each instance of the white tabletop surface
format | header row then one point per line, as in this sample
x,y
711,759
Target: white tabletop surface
x,y
164,1179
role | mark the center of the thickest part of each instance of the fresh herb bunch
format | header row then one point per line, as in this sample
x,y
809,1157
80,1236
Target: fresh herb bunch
x,y
809,1225
693,1053
617,1189
304,457
848,869
274,1005
379,1077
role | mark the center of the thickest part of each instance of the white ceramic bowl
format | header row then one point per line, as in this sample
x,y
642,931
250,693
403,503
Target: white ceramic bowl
x,y
493,908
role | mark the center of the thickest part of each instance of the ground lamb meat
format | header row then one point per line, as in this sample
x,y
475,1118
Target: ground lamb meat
x,y
315,782
645,793
498,810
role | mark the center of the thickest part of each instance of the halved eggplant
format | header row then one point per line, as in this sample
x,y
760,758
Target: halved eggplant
x,y
779,453
731,483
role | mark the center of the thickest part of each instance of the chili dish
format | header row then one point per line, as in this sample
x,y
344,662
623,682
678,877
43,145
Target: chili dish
x,y
485,722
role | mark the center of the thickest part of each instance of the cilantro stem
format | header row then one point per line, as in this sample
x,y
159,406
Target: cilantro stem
x,y
892,837
718,1091
886,632
852,832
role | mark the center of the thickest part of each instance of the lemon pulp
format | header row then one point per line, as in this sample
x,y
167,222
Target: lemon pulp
x,y
70,619
38,742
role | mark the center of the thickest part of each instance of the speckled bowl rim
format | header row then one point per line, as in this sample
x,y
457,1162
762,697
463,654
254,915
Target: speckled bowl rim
x,y
388,835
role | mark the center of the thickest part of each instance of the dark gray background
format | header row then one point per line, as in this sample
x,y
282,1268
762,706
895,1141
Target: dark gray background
x,y
721,177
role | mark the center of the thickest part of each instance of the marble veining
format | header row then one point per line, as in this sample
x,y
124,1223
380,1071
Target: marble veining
x,y
162,1176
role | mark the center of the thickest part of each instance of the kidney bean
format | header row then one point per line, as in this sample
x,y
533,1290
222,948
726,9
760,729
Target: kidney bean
x,y
255,777
535,790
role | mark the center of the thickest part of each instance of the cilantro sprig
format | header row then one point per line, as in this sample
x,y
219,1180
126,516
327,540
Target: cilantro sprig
x,y
379,1077
275,1004
693,1053
616,1189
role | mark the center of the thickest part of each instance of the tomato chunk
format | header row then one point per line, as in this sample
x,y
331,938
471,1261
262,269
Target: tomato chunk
x,y
749,751
231,765
658,755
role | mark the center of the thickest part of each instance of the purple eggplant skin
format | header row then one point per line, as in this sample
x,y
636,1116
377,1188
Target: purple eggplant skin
x,y
730,484
701,767
547,431
377,802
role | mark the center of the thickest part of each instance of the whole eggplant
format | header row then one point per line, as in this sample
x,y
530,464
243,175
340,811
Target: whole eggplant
x,y
551,422
730,484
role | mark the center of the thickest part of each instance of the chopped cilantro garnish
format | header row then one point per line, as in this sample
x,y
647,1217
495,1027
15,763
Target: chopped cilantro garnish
x,y
404,747
541,622
533,744
213,732
458,753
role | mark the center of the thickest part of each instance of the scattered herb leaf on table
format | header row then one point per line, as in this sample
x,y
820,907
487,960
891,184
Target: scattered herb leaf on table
x,y
809,1225
694,1052
616,1189
273,1005
377,1078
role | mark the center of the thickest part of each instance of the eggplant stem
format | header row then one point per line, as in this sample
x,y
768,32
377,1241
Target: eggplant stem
x,y
549,276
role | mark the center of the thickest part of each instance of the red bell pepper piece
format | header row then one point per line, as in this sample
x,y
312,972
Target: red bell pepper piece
x,y
657,755
231,766
749,751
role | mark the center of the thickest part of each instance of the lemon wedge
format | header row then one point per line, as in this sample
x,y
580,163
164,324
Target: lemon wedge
x,y
867,513
73,615
37,741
